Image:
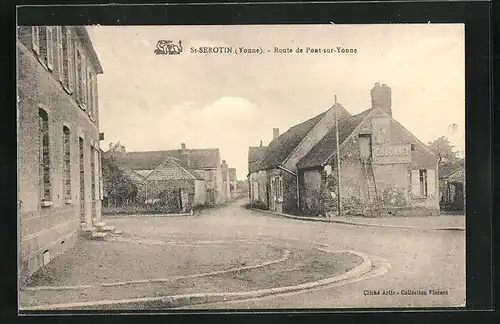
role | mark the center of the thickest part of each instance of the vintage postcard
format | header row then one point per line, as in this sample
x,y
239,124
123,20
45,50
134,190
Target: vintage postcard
x,y
241,167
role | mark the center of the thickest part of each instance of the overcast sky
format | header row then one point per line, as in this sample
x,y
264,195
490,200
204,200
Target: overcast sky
x,y
230,102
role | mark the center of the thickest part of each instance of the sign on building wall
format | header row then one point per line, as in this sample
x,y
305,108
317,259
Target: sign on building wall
x,y
391,153
381,130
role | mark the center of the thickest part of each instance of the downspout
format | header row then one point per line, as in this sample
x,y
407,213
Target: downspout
x,y
297,182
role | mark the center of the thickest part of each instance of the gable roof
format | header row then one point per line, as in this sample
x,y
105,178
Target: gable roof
x,y
255,155
150,160
280,148
328,144
448,169
170,169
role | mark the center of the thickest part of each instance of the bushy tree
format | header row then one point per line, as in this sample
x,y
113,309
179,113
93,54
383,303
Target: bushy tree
x,y
118,186
444,151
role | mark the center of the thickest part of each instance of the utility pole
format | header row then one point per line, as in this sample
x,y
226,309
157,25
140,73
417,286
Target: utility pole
x,y
338,155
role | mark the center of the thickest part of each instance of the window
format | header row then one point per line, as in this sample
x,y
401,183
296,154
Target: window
x,y
60,70
93,173
49,57
83,83
43,123
67,165
68,56
412,146
35,39
90,95
78,76
423,183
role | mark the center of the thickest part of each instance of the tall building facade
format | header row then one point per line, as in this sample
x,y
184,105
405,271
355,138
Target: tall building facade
x,y
59,165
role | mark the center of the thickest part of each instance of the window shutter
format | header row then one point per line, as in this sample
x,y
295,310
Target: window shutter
x,y
431,182
83,73
60,70
70,55
50,48
35,39
415,183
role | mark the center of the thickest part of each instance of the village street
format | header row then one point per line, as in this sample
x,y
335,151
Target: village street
x,y
277,252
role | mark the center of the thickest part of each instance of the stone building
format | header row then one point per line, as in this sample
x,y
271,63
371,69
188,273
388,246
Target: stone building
x,y
384,169
233,183
452,187
204,164
59,166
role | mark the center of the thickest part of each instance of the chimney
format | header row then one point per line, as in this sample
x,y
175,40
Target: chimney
x,y
185,160
260,143
381,97
276,133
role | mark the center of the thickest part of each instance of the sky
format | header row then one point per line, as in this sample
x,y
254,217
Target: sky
x,y
233,101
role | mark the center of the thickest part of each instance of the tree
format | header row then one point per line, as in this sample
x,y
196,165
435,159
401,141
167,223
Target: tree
x,y
444,150
118,186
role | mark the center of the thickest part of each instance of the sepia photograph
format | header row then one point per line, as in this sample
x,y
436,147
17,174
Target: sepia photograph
x,y
202,167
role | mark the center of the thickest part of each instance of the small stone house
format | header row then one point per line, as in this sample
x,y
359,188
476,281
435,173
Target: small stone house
x,y
203,164
384,169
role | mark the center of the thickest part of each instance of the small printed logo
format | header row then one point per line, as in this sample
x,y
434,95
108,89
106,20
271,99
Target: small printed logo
x,y
167,47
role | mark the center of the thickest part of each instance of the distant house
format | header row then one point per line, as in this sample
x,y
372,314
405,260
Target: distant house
x,y
452,186
232,182
255,175
202,164
384,169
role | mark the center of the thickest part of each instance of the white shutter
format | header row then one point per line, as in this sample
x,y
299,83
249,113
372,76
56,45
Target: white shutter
x,y
50,47
60,71
431,182
35,39
415,183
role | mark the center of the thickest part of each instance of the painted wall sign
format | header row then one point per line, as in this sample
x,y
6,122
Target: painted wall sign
x,y
381,130
391,153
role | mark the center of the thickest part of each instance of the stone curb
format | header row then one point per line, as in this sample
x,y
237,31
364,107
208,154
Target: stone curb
x,y
204,298
333,220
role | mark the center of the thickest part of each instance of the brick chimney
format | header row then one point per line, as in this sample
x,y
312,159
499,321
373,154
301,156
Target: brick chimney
x,y
185,160
276,133
381,97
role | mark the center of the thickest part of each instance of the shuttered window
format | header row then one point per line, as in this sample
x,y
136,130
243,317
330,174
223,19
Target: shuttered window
x,y
43,131
90,95
59,42
49,57
423,183
35,39
78,79
68,59
67,164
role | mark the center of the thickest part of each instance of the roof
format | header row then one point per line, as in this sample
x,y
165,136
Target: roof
x,y
232,174
170,169
150,160
255,154
447,170
280,148
320,153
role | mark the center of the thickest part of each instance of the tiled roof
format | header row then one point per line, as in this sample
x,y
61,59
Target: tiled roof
x,y
232,174
280,148
171,170
255,154
328,144
149,160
